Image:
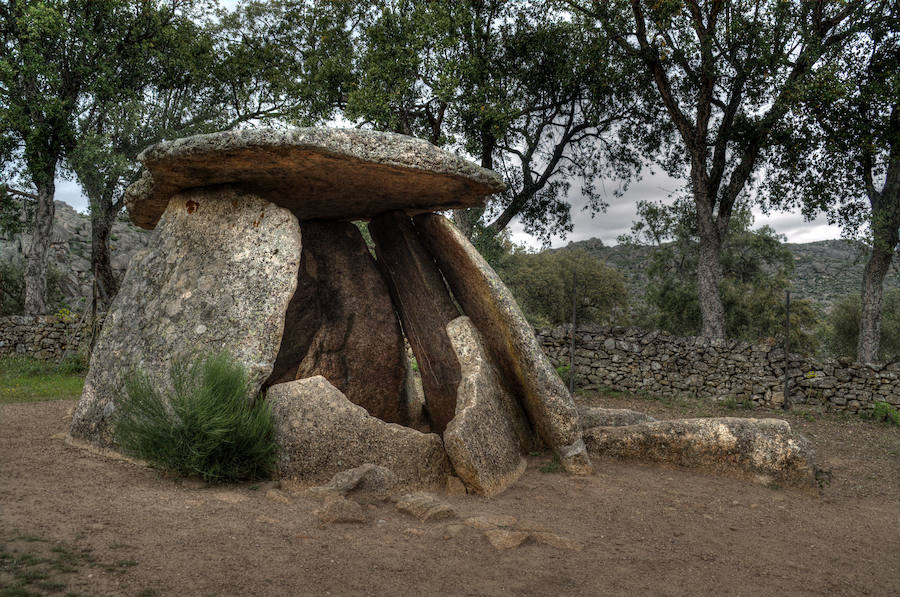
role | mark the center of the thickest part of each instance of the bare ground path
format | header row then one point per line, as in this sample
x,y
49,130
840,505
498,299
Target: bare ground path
x,y
89,525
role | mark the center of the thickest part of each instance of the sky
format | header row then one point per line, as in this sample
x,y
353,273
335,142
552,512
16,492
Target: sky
x,y
606,226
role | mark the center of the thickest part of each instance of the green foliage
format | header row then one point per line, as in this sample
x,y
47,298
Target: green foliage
x,y
542,285
26,379
842,325
553,466
756,270
209,426
563,372
886,413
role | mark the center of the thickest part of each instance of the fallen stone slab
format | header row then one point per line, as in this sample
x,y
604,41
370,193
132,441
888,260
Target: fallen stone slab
x,y
487,436
425,308
320,433
345,322
766,450
425,506
593,416
317,173
503,539
217,275
492,308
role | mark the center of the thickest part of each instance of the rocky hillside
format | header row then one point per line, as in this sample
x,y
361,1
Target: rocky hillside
x,y
70,252
824,270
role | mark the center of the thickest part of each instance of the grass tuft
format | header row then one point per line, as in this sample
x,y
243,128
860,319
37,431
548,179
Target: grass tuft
x,y
26,379
209,426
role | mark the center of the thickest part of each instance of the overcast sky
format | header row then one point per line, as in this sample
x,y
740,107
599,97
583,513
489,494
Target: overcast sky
x,y
606,226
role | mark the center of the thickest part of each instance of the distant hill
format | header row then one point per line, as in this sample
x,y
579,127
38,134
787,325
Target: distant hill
x,y
824,270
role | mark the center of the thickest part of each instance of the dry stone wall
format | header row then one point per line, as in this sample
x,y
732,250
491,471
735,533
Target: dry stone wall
x,y
42,337
633,360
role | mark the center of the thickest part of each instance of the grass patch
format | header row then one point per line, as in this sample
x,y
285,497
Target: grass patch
x,y
886,413
553,466
26,379
210,426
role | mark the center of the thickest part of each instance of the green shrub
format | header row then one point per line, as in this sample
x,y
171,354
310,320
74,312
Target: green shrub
x,y
887,413
563,372
209,426
843,325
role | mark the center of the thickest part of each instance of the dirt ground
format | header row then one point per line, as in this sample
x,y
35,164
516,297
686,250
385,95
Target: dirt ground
x,y
75,523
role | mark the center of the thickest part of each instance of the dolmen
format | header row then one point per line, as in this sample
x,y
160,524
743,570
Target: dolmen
x,y
255,252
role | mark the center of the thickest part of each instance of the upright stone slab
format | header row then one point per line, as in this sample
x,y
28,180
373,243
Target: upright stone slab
x,y
425,308
319,433
491,306
217,275
485,439
343,325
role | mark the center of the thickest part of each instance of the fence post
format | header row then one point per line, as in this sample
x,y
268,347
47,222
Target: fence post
x,y
572,352
787,349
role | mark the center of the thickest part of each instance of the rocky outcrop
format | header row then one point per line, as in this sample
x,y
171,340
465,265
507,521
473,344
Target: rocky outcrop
x,y
341,323
766,450
320,433
215,277
317,173
425,308
493,310
486,438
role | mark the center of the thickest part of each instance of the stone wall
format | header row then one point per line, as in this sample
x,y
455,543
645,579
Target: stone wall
x,y
633,360
43,337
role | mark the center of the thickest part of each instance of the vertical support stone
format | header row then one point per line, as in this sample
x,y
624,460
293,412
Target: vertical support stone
x,y
341,323
492,308
425,309
218,274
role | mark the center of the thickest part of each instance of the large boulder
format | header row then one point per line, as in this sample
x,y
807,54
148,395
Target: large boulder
x,y
217,275
766,450
425,308
317,173
320,433
341,323
491,306
484,441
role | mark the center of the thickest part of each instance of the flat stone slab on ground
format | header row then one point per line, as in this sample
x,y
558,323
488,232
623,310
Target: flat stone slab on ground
x,y
217,274
595,416
320,433
764,449
317,173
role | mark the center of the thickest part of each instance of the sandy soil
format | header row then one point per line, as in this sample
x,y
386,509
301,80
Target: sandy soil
x,y
75,522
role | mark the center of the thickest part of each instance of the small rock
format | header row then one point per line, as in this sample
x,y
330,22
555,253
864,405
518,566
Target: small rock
x,y
451,531
366,483
455,486
490,521
277,496
339,510
413,531
503,539
425,507
230,497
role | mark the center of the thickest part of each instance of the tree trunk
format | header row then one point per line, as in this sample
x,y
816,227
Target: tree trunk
x,y
36,266
103,214
709,273
869,344
886,236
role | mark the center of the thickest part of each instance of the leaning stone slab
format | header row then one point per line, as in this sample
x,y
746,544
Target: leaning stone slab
x,y
593,416
484,441
425,308
341,323
365,484
493,310
320,433
217,275
766,450
317,173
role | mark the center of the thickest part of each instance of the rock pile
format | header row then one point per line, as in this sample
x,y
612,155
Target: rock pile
x,y
252,252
